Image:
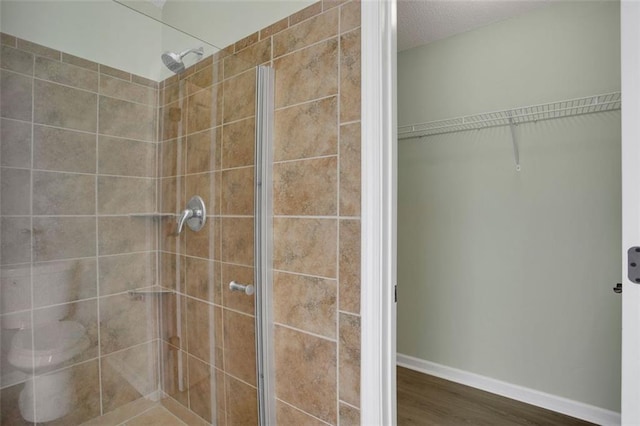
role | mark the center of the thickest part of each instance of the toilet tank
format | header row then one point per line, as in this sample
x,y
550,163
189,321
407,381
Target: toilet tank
x,y
54,283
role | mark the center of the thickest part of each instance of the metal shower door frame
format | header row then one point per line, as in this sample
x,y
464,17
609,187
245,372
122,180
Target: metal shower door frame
x,y
263,243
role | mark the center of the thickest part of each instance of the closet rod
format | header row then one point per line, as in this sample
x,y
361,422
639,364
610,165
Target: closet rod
x,y
514,116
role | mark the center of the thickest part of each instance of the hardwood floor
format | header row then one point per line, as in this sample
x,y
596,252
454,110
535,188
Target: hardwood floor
x,y
429,400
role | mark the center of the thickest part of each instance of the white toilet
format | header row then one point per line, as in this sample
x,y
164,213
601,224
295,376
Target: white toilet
x,y
55,342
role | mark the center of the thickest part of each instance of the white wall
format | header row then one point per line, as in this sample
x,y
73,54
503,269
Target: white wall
x,y
506,274
109,33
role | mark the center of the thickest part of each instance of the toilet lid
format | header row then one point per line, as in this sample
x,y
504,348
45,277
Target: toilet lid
x,y
50,341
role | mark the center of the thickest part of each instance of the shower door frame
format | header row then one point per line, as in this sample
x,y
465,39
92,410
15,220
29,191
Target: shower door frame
x,y
263,253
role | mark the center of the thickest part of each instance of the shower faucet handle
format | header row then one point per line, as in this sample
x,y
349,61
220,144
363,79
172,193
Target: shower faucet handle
x,y
195,215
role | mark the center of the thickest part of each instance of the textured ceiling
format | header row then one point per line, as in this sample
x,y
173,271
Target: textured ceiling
x,y
423,21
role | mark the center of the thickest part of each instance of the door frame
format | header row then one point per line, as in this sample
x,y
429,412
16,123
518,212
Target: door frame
x,y
630,79
378,241
378,229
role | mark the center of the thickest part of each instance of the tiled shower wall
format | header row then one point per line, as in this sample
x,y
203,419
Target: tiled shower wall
x,y
78,156
208,150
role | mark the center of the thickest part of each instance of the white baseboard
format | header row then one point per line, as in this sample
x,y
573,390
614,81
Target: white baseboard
x,y
550,402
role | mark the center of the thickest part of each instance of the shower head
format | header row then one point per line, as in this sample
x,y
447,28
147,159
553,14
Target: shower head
x,y
173,61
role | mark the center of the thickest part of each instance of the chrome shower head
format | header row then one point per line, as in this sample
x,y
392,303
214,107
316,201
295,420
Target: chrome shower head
x,y
173,60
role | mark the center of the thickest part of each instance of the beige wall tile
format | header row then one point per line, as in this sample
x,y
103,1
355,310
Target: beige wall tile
x,y
16,60
84,392
272,29
15,244
126,195
63,194
350,76
127,91
204,185
127,119
84,313
242,404
63,106
240,346
239,96
170,374
288,415
204,109
306,246
128,375
350,180
238,143
172,157
15,143
80,62
238,191
15,288
70,75
15,187
305,303
114,72
126,272
8,40
63,237
63,150
349,416
307,130
237,240
305,13
144,81
204,243
306,187
306,372
349,362
249,57
246,42
350,16
204,78
81,281
38,49
311,31
204,330
349,260
236,300
15,96
203,279
126,321
123,234
173,120
126,157
314,69
201,377
204,151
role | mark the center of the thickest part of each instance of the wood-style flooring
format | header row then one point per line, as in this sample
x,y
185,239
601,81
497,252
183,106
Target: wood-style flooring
x,y
429,400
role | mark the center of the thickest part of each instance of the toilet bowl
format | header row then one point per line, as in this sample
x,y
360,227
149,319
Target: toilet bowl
x,y
57,343
43,349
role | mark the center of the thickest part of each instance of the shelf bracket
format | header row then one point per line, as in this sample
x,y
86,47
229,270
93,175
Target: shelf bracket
x,y
514,141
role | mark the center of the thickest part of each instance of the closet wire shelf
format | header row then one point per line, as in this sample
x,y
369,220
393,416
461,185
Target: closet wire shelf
x,y
514,116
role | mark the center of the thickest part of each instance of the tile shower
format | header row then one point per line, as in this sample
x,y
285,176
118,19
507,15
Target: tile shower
x,y
97,148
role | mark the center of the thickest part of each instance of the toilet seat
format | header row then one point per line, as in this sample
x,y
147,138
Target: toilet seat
x,y
56,343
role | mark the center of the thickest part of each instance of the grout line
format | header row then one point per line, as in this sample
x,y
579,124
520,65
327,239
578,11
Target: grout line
x,y
282,271
297,160
338,225
302,411
310,333
97,252
32,245
309,101
349,405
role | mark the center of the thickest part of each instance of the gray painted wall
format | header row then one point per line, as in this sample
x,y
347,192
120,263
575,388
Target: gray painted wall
x,y
508,274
